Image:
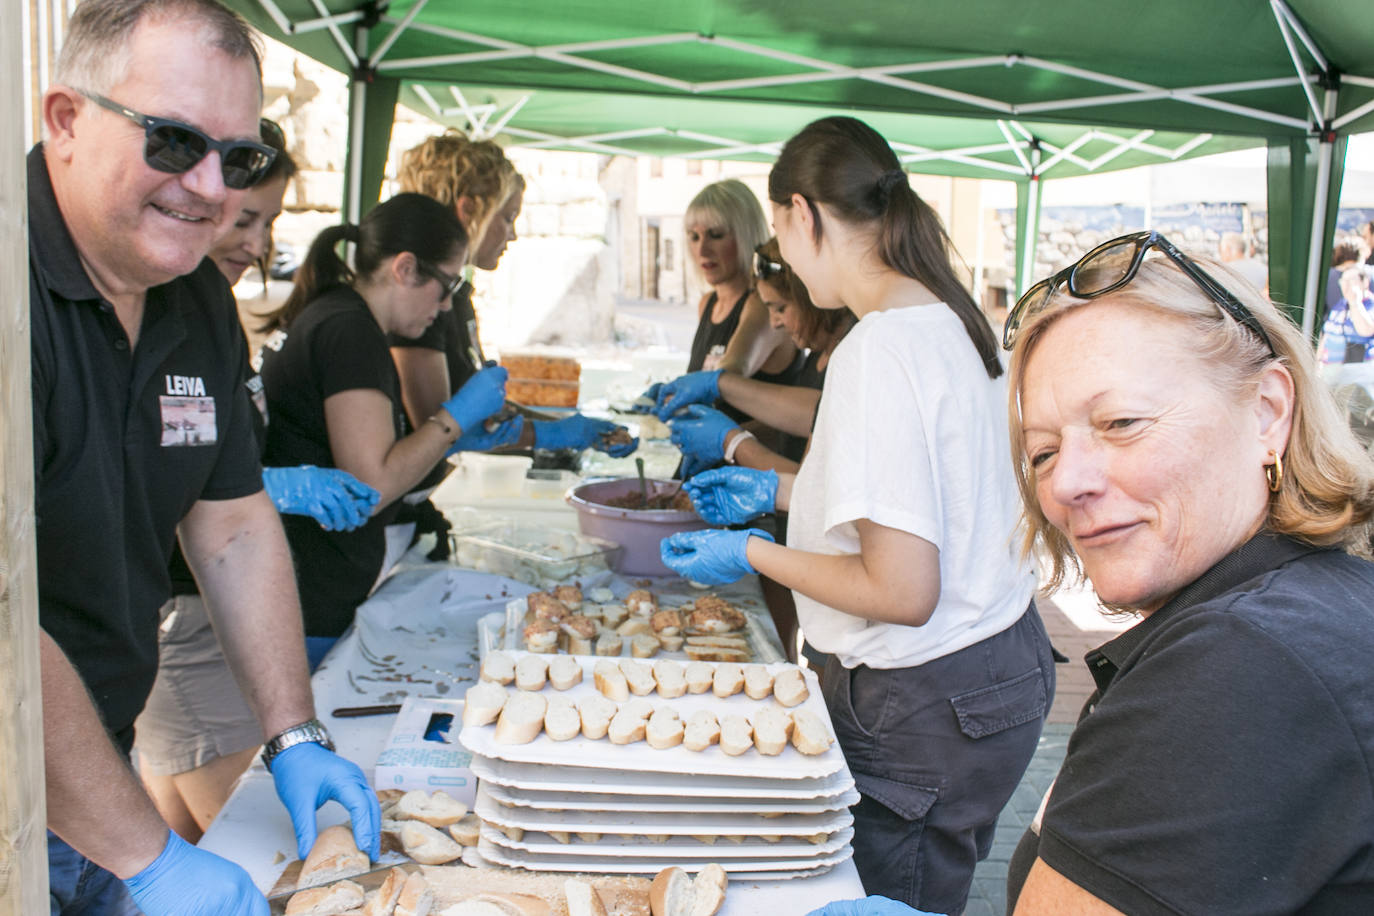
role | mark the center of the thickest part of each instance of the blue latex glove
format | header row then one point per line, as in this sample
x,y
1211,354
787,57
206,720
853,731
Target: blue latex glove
x,y
650,394
700,432
711,557
308,775
479,440
868,906
692,388
692,466
733,496
186,881
580,432
334,498
481,396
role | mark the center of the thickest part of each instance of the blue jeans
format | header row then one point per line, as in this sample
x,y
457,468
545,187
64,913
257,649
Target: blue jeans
x,y
79,887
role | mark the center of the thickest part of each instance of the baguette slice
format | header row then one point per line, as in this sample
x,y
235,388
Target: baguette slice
x,y
564,673
639,677
665,729
500,905
483,703
772,727
531,673
521,720
333,856
499,667
644,645
670,679
702,730
723,642
326,901
671,643
613,614
562,721
789,688
810,735
708,889
717,654
758,683
736,735
609,643
671,893
666,623
635,626
383,902
416,897
596,712
700,677
437,810
728,680
427,845
467,831
627,727
582,900
611,681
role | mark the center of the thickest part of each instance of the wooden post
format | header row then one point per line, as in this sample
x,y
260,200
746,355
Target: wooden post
x,y
23,813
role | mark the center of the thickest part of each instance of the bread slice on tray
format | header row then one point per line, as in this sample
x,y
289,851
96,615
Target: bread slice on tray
x,y
522,718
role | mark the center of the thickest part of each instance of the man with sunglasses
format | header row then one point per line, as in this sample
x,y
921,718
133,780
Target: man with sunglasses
x,y
142,432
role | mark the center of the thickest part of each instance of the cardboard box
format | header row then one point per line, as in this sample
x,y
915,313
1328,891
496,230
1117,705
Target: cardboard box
x,y
422,751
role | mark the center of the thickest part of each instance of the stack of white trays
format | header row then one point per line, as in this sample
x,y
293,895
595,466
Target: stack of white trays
x,y
593,806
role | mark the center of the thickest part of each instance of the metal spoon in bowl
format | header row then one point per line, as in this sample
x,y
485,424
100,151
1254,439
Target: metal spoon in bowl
x,y
643,486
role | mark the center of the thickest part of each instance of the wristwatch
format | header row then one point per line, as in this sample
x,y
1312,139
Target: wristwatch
x,y
309,731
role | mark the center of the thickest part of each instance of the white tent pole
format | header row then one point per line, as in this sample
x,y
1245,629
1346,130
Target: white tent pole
x,y
1015,147
1354,113
357,120
398,30
1316,277
1302,34
338,37
1282,21
23,812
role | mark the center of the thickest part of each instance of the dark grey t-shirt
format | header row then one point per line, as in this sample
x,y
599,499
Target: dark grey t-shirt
x,y
1226,762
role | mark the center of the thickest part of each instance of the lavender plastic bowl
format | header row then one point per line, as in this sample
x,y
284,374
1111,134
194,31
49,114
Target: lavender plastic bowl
x,y
637,531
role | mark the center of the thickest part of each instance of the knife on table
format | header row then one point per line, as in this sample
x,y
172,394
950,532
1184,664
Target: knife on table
x,y
369,881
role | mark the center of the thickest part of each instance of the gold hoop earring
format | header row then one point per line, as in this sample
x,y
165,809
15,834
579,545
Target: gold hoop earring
x,y
1273,473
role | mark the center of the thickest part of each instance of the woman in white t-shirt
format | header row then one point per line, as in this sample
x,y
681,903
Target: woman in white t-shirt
x,y
901,551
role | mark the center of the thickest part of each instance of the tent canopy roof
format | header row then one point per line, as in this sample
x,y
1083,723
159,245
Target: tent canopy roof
x,y
684,74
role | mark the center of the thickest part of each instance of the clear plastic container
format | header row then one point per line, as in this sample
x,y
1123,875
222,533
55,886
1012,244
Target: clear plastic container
x,y
537,555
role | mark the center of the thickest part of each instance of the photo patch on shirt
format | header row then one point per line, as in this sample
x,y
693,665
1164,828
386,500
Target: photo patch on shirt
x,y
188,420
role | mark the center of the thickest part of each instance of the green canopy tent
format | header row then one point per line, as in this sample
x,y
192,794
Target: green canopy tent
x,y
982,87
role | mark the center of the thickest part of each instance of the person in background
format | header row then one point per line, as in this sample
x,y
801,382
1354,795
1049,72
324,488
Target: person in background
x,y
334,397
1344,256
1347,339
903,513
1235,254
1367,236
197,733
480,184
1174,445
706,436
143,431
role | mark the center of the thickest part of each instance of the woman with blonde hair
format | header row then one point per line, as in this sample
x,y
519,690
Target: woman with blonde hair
x,y
1174,444
475,178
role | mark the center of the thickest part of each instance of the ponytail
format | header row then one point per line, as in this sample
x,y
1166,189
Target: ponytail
x,y
321,270
846,165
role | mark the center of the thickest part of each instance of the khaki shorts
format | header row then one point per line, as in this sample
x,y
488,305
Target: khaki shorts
x,y
195,712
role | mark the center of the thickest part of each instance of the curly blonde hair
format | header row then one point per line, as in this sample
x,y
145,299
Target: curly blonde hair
x,y
1327,493
452,165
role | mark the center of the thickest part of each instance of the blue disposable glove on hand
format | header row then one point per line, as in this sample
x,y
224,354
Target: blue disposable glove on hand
x,y
478,439
334,498
308,775
733,496
868,906
480,397
692,388
580,432
700,432
186,881
651,395
710,557
692,466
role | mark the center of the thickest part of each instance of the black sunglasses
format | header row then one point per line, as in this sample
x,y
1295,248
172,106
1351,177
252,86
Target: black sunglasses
x,y
272,134
1112,265
174,147
766,268
450,284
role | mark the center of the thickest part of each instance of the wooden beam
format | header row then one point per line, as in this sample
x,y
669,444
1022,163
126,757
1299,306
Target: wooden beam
x,y
23,813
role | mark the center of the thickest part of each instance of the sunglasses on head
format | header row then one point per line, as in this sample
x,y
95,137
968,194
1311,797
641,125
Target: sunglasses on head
x,y
449,283
174,147
1112,265
766,268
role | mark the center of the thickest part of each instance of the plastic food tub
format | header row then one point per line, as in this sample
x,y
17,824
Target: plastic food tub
x,y
637,531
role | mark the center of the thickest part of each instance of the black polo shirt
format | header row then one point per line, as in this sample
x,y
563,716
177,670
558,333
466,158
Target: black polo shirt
x,y
333,345
1225,764
125,442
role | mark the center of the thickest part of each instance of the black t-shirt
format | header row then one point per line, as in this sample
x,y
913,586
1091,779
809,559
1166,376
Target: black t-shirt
x,y
711,338
125,443
809,376
334,345
1224,764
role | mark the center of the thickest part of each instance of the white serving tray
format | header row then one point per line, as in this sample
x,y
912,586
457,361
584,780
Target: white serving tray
x,y
738,869
640,757
546,800
681,823
795,850
634,784
498,632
